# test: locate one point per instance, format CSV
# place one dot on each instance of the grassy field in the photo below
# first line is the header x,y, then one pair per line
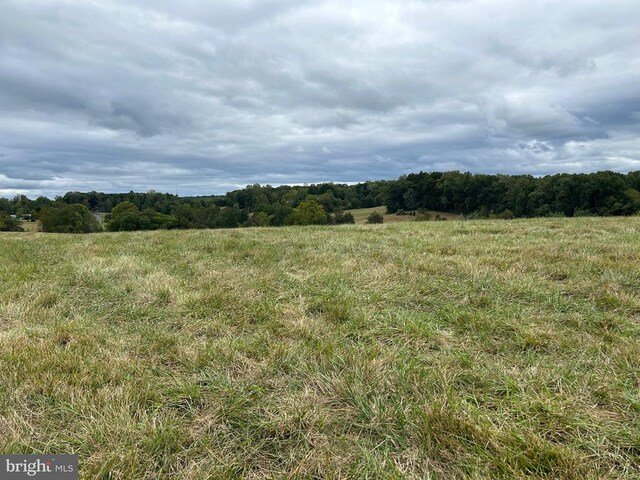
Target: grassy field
x,y
360,215
482,349
30,226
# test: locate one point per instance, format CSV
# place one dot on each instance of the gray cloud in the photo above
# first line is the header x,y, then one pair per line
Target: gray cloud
x,y
202,97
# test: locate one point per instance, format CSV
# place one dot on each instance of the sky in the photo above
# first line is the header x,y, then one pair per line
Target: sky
x,y
200,97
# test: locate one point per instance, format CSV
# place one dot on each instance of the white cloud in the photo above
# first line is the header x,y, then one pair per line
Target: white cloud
x,y
115,95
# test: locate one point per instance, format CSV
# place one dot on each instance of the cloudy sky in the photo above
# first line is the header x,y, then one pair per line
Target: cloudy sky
x,y
205,96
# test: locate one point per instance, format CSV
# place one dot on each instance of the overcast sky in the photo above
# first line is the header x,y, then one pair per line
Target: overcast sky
x,y
205,96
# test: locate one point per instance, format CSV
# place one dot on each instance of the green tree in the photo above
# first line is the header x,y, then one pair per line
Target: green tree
x,y
127,217
633,197
229,217
258,219
308,212
8,224
73,218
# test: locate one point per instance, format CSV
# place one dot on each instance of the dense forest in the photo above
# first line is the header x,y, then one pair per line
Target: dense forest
x,y
472,195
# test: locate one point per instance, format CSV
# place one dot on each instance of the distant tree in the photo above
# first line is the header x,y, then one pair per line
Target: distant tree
x,y
230,217
183,212
375,217
123,208
395,195
204,217
308,212
258,219
157,220
278,213
126,216
328,201
633,197
63,218
6,206
471,195
8,224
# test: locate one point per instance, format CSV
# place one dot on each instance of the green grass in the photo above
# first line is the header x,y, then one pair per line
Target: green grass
x,y
482,349
360,215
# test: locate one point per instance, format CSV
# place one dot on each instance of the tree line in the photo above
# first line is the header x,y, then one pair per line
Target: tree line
x,y
477,195
472,195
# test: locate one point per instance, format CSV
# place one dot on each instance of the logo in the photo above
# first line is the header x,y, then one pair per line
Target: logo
x,y
45,467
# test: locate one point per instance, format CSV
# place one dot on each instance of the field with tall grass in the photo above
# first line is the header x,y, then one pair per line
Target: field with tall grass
x,y
360,215
483,349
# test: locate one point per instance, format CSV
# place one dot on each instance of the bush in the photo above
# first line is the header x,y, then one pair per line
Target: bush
x,y
74,218
375,217
423,217
504,215
343,217
8,224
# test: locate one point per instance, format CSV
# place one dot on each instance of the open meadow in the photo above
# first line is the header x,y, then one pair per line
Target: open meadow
x,y
483,349
360,215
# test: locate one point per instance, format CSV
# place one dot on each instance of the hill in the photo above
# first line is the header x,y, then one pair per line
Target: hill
x,y
360,215
491,349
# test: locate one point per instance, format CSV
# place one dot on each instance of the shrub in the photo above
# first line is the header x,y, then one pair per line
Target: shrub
x,y
375,217
505,215
423,217
343,217
8,224
73,218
